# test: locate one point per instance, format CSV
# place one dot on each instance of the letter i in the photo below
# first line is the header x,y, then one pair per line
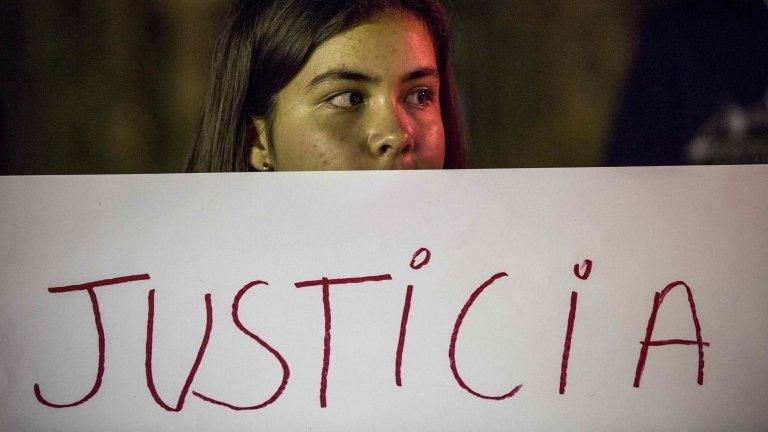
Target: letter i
x,y
420,259
581,272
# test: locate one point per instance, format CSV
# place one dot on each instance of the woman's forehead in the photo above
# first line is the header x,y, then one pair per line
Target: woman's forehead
x,y
387,47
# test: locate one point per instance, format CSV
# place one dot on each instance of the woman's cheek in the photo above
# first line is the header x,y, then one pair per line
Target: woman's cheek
x,y
332,144
305,141
430,141
346,135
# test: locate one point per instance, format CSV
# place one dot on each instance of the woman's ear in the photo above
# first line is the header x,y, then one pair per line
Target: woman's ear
x,y
261,147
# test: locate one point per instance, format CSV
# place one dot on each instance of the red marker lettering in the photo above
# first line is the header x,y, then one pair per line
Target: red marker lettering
x,y
455,335
583,272
326,284
657,300
260,341
401,339
195,365
420,258
567,344
586,266
89,288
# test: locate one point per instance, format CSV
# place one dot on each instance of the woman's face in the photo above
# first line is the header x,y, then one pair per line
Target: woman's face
x,y
367,98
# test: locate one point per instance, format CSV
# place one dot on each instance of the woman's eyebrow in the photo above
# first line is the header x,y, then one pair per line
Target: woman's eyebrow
x,y
420,73
341,74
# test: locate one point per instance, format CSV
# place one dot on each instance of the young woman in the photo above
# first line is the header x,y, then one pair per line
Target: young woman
x,y
331,85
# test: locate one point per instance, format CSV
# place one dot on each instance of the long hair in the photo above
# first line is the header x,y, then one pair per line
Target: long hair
x,y
264,45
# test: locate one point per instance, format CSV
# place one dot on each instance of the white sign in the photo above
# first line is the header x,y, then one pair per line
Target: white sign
x,y
553,299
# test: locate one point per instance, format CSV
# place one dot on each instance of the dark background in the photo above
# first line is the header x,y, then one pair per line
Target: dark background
x,y
95,86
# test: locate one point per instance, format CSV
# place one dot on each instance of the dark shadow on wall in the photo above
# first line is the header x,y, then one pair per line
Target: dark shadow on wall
x,y
541,79
697,91
101,87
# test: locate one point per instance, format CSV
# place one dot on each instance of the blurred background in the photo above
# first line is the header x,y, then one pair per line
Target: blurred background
x,y
115,86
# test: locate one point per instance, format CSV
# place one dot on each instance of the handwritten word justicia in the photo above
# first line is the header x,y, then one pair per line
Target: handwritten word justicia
x,y
419,259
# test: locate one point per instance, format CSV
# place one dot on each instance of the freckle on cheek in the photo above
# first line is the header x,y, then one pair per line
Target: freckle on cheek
x,y
322,157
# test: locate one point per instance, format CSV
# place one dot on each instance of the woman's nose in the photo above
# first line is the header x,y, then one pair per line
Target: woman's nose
x,y
390,138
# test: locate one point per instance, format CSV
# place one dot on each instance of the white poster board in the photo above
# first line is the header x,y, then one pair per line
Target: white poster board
x,y
552,299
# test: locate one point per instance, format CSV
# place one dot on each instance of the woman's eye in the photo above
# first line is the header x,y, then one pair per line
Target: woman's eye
x,y
421,97
346,100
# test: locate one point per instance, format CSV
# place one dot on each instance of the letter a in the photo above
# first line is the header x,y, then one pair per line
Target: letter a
x,y
657,300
